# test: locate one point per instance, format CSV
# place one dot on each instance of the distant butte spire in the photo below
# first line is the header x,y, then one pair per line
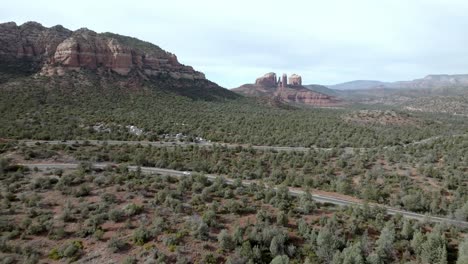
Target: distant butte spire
x,y
295,80
284,82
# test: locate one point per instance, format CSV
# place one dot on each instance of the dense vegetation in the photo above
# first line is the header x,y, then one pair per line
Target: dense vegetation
x,y
430,177
414,161
46,108
129,217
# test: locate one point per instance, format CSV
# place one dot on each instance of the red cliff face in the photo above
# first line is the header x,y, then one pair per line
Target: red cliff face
x,y
56,50
268,79
302,95
267,87
295,80
30,42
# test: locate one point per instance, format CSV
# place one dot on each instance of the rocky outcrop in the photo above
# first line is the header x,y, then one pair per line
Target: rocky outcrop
x,y
30,43
302,95
56,50
295,80
268,79
284,80
268,87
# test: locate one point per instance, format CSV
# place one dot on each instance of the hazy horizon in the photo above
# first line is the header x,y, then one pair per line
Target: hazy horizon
x,y
326,43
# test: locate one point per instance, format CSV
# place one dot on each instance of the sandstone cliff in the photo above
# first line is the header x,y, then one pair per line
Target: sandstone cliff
x,y
267,87
295,80
302,95
57,50
267,80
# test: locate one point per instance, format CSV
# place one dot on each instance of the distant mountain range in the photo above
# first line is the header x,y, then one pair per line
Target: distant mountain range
x,y
440,93
356,85
434,82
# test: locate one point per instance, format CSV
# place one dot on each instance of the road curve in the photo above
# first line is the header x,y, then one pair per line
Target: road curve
x,y
294,192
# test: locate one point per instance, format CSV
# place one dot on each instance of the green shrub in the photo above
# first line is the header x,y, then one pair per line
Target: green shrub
x,y
54,254
109,198
140,236
82,190
133,209
57,233
130,260
71,251
98,234
116,244
116,215
209,259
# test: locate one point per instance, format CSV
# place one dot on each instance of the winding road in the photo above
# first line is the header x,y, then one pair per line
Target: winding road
x,y
211,144
318,197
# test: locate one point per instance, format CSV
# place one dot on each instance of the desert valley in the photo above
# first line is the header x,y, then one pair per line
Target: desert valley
x,y
113,151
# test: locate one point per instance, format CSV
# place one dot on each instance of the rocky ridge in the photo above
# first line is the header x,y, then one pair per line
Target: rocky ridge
x,y
57,50
434,82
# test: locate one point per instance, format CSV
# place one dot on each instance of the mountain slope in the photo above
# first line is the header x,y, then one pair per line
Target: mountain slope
x,y
321,89
354,85
435,83
32,49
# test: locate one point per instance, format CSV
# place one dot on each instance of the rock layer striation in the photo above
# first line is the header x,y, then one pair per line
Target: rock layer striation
x,y
267,86
56,50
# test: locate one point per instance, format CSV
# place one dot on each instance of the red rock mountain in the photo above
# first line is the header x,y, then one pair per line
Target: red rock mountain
x,y
86,59
56,50
268,86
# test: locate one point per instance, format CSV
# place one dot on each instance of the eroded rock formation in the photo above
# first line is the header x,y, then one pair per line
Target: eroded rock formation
x,y
295,80
302,95
268,79
268,86
56,50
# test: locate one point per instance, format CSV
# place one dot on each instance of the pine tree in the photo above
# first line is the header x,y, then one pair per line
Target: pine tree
x,y
280,260
463,252
307,203
327,244
407,230
225,240
353,254
238,235
385,242
417,241
433,250
277,245
282,218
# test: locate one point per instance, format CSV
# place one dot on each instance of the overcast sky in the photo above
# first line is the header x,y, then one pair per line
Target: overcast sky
x,y
326,42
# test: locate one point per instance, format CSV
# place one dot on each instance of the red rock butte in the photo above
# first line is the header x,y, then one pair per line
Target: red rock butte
x,y
56,50
289,90
270,79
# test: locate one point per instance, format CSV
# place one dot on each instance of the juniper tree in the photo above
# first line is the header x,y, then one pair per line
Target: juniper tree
x,y
463,252
225,240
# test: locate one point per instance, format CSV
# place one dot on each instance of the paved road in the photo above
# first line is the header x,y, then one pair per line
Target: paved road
x,y
210,144
163,144
294,192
